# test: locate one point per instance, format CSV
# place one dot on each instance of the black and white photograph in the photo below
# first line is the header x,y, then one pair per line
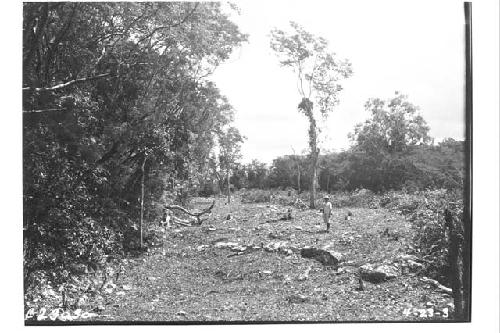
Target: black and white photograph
x,y
249,162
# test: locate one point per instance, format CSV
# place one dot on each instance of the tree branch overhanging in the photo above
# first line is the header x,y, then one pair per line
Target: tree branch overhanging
x,y
66,84
169,26
44,110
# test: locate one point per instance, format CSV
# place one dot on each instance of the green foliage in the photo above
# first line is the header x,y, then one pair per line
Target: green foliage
x,y
257,174
284,172
425,211
394,126
106,88
317,68
255,196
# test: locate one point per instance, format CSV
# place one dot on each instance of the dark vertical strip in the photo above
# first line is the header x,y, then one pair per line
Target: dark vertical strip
x,y
467,218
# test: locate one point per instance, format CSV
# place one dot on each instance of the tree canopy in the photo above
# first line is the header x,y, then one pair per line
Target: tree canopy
x,y
393,126
104,86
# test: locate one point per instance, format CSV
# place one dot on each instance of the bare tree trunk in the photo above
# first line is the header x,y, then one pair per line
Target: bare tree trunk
x,y
142,200
314,178
228,188
298,178
307,107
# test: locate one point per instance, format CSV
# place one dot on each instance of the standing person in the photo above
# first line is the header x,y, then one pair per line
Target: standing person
x,y
327,212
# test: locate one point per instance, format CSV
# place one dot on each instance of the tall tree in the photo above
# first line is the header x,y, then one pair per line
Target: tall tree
x,y
230,141
393,126
319,72
383,155
102,84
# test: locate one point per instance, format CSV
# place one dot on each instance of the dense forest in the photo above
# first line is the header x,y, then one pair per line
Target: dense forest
x,y
121,119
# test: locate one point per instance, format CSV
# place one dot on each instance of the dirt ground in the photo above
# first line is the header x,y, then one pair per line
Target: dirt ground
x,y
197,278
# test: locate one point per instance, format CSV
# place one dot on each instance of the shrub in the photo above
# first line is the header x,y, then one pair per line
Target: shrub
x,y
255,196
425,211
360,198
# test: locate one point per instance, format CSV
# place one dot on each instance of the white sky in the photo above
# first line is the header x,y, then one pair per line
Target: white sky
x,y
415,47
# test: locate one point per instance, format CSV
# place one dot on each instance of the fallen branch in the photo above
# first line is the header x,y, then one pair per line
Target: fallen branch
x,y
198,215
437,285
177,220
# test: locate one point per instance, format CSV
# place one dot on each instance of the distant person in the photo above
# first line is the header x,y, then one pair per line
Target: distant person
x,y
327,212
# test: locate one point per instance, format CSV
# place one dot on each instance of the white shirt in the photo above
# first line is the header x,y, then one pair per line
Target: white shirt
x,y
327,209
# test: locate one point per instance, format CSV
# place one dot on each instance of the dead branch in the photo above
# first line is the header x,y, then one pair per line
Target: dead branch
x,y
198,215
437,285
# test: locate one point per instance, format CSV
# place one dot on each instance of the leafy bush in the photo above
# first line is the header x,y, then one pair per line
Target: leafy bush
x,y
425,211
360,198
255,196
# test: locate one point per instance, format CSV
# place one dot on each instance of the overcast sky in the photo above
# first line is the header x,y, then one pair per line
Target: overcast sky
x,y
413,47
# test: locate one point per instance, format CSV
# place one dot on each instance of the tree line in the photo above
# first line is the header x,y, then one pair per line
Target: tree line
x,y
392,150
118,112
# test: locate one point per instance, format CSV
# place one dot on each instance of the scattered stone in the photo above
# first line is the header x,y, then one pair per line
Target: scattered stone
x,y
86,315
273,235
414,266
238,248
297,299
406,257
223,245
324,255
201,248
377,274
304,276
276,246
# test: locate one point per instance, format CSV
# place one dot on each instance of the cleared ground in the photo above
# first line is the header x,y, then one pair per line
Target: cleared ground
x,y
197,281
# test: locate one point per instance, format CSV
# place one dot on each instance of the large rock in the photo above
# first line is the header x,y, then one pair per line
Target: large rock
x,y
377,274
409,263
324,255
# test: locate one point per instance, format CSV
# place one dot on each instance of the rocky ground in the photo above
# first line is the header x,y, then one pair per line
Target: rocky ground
x,y
255,266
